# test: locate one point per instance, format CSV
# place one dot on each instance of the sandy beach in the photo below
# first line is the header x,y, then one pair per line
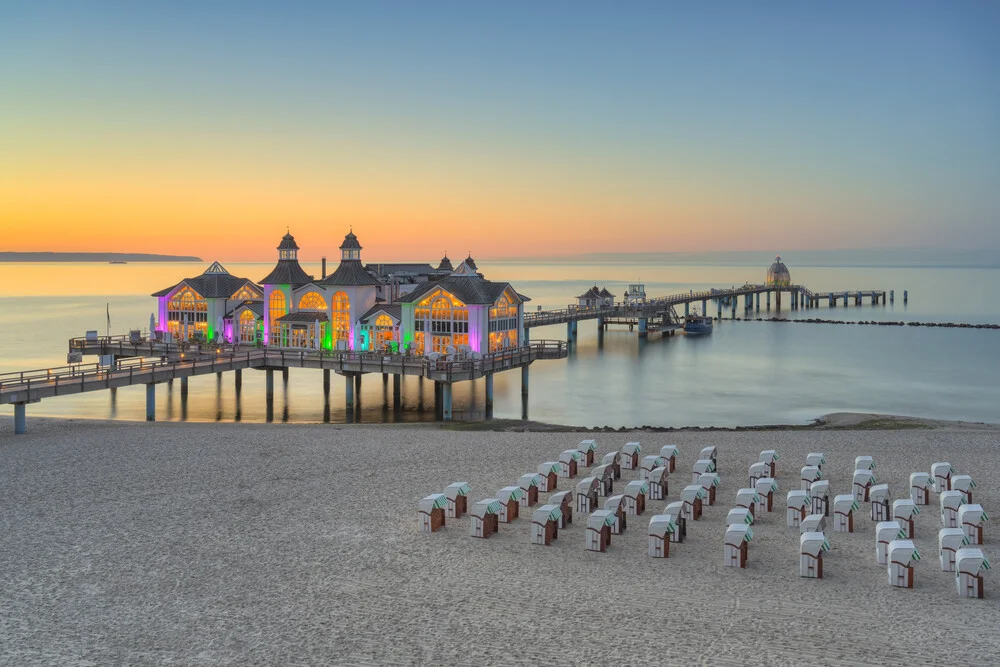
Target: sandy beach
x,y
229,544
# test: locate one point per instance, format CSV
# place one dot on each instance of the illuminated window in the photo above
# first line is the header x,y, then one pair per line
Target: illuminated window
x,y
248,326
277,310
445,318
503,323
341,320
187,313
246,293
384,330
312,301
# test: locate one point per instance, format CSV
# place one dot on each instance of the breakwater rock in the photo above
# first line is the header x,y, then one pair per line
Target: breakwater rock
x,y
882,323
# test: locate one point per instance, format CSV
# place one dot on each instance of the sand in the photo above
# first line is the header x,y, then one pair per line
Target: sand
x,y
225,544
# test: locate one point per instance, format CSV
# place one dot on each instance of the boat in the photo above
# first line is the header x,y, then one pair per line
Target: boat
x,y
118,261
696,324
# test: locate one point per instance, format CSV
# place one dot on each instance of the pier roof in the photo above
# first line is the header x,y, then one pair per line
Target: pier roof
x,y
350,272
256,307
305,316
389,269
212,284
287,272
393,310
468,289
445,264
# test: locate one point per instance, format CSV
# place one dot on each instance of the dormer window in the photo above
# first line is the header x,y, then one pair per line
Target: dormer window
x,y
288,254
350,253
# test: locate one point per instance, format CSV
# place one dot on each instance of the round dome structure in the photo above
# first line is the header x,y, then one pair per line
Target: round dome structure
x,y
777,274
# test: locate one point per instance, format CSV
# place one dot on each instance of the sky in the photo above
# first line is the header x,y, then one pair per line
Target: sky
x,y
505,129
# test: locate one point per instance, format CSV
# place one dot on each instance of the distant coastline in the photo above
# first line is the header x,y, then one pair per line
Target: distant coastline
x,y
93,257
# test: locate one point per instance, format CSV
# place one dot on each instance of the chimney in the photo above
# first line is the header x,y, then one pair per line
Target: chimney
x,y
324,269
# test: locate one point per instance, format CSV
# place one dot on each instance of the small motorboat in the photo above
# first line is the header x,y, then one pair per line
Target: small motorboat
x,y
696,324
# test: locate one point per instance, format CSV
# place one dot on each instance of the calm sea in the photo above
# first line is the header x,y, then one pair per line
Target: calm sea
x,y
745,373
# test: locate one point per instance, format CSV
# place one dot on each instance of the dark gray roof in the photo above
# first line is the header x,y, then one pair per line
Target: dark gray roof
x,y
350,272
389,269
592,293
350,242
287,272
605,292
394,310
471,262
256,307
468,289
288,243
212,285
305,316
445,264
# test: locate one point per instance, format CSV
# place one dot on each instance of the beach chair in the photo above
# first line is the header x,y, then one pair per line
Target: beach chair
x,y
844,507
878,495
711,453
921,485
564,501
819,491
864,478
614,459
748,499
812,546
693,495
545,524
658,483
740,515
569,461
813,523
950,540
647,465
942,472
950,502
588,451
616,505
700,467
737,543
864,463
550,473
970,564
670,454
766,488
809,475
817,459
485,517
529,483
903,511
661,529
768,457
796,507
587,490
430,513
971,519
709,481
635,493
510,502
678,511
964,484
598,534
758,471
630,455
902,554
457,494
885,532
605,475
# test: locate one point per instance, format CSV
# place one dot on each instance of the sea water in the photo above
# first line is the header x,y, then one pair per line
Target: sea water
x,y
746,372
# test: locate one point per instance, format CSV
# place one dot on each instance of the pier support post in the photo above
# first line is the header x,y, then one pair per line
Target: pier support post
x,y
643,324
238,380
396,392
269,395
326,395
385,379
719,314
704,307
687,308
769,302
284,376
906,296
349,392
526,338
777,300
757,300
357,389
238,384
489,395
600,323
446,401
524,392
569,332
735,299
20,419
151,402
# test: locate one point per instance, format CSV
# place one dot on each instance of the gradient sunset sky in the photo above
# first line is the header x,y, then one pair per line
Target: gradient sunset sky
x,y
504,128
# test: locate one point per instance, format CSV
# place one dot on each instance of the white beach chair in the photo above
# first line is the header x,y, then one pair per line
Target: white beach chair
x,y
614,459
709,481
564,501
903,511
819,491
758,471
587,490
964,484
942,472
970,564
813,523
457,494
545,524
766,488
812,546
635,493
588,450
598,533
569,462
809,474
630,455
678,511
550,474
670,454
902,554
864,463
430,513
950,540
950,502
605,475
796,507
700,467
615,505
878,495
661,529
748,499
693,496
921,485
529,483
485,517
864,478
885,532
737,541
647,465
510,503
768,457
712,453
844,507
816,459
658,487
971,519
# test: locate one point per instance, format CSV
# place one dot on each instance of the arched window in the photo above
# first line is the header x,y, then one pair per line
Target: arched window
x,y
248,326
246,293
445,318
341,319
312,301
187,312
503,323
384,329
277,310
